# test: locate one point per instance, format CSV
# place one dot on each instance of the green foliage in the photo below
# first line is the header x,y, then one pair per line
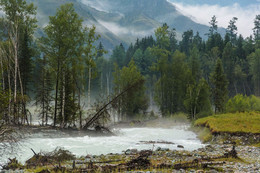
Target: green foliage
x,y
171,87
178,75
219,90
232,30
241,103
228,59
213,26
257,27
197,102
162,37
18,24
4,101
135,100
118,55
186,43
43,90
254,62
64,45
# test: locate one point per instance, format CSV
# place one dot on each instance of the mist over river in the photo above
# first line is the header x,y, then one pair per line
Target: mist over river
x,y
127,138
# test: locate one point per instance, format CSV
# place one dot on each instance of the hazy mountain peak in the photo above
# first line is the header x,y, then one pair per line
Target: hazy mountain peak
x,y
123,20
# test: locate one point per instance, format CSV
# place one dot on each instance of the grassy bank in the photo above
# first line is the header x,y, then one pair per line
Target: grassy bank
x,y
233,123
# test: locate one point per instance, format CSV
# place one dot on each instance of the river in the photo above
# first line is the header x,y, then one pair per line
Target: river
x,y
128,138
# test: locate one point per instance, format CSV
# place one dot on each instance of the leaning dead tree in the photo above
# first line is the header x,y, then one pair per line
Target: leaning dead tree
x,y
9,139
103,110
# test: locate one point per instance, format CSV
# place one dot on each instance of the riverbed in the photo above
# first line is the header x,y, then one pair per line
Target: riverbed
x,y
127,138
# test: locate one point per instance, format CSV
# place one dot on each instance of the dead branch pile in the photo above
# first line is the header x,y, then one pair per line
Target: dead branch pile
x,y
141,162
42,159
13,165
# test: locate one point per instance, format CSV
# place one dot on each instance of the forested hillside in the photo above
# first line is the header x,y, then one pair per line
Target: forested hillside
x,y
65,74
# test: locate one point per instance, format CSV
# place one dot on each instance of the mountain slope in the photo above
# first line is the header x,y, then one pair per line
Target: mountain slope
x,y
122,20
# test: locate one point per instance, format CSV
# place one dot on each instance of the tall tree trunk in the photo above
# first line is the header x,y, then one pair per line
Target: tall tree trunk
x,y
80,111
56,94
15,44
2,70
9,90
63,102
3,81
23,100
108,83
89,82
101,82
43,94
235,86
46,115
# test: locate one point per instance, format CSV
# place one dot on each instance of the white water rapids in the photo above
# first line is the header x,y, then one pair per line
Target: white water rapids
x,y
128,138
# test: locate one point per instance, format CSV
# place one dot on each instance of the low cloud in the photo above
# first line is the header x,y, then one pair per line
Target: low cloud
x,y
114,28
203,13
120,31
100,6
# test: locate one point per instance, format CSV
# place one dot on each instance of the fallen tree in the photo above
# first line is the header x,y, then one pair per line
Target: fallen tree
x,y
103,110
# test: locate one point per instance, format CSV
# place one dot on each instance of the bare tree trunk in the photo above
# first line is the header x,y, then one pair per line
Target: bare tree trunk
x,y
9,90
108,83
2,69
3,79
23,100
43,112
235,88
89,82
43,101
101,82
63,102
15,86
56,94
15,44
46,115
80,111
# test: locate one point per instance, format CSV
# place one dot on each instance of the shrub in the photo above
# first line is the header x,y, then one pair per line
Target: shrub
x,y
241,103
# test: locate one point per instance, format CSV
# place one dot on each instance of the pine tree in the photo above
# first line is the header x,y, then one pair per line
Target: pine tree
x,y
229,61
43,90
254,61
257,28
186,43
63,41
213,26
232,30
21,23
219,87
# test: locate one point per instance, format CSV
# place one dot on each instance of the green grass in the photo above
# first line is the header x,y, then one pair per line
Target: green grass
x,y
248,122
256,145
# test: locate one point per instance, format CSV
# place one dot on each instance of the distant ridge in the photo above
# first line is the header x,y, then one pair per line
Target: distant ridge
x,y
122,21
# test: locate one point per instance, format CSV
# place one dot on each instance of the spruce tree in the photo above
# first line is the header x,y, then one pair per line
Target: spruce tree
x,y
219,87
257,28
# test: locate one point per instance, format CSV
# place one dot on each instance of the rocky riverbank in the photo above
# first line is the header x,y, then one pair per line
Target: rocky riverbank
x,y
225,152
212,158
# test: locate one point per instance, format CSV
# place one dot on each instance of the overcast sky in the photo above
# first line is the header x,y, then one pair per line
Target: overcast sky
x,y
201,11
